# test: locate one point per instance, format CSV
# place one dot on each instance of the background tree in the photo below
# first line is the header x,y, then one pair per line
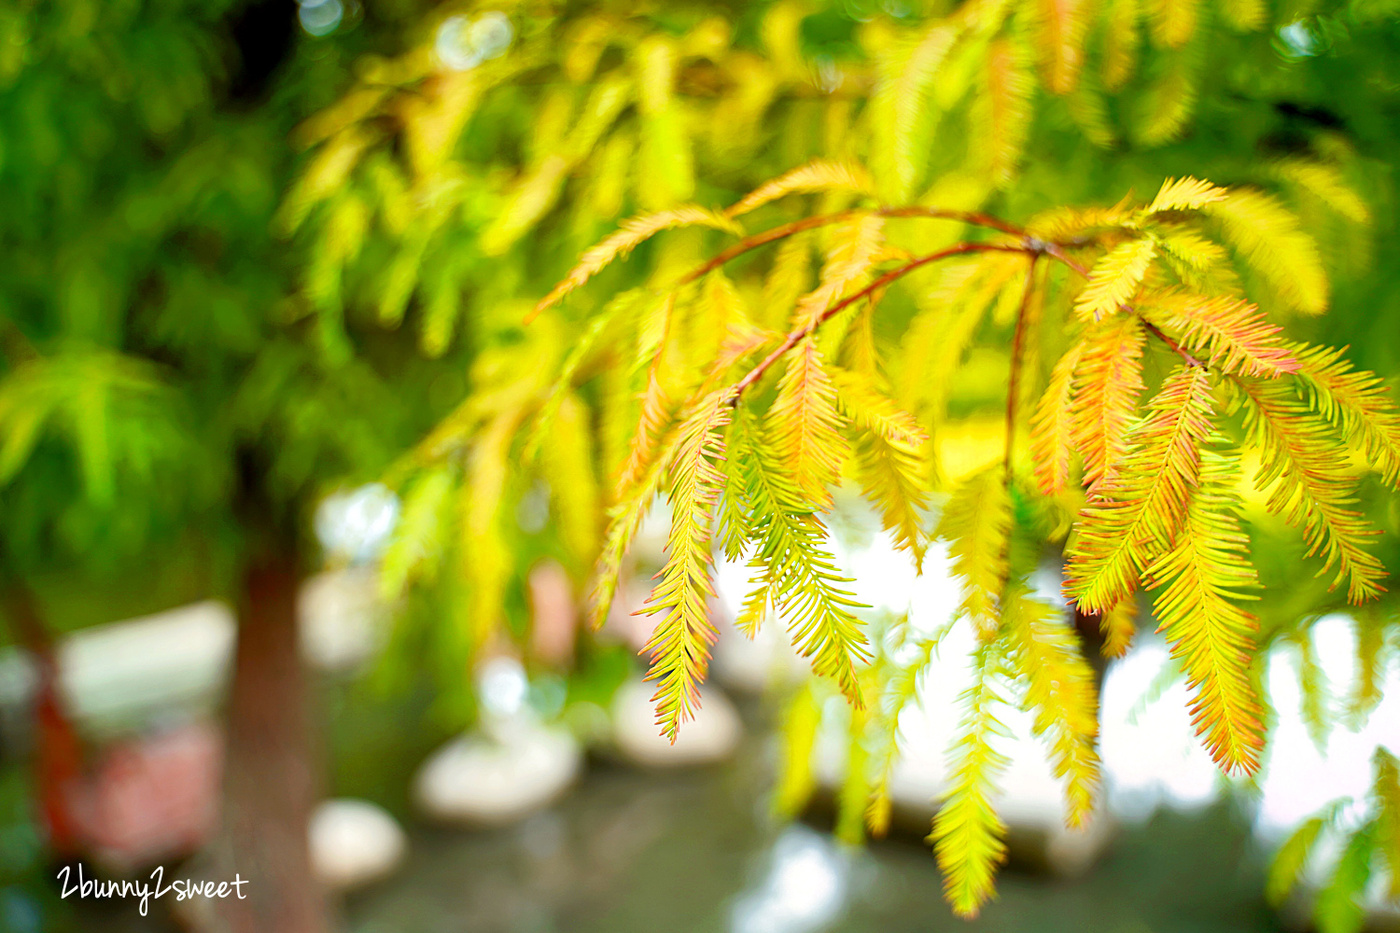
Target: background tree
x,y
168,414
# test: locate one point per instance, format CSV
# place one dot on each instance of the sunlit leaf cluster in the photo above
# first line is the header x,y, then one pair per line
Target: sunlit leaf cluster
x,y
1170,382
740,367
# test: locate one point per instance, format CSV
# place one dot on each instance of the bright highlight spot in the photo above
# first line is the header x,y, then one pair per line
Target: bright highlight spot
x,y
320,17
1298,41
503,686
464,42
803,891
1151,755
356,525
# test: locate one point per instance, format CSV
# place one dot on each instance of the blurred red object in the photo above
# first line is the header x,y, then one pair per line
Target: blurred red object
x,y
554,613
150,798
131,804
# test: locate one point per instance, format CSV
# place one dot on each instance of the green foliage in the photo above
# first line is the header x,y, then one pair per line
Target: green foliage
x,y
78,396
154,369
1370,844
797,574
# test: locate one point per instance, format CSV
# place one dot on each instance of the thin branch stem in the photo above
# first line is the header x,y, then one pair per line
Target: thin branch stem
x,y
821,220
763,239
1181,351
1018,341
14,345
796,336
1056,251
975,218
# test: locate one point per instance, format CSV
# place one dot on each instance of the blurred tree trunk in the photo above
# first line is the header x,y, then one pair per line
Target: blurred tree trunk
x,y
1091,641
270,774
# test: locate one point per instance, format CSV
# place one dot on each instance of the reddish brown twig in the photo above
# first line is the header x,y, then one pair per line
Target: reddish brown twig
x,y
796,336
1181,351
821,220
1056,251
1018,341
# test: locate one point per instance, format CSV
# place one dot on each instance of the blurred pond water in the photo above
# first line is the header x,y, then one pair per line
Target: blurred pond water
x,y
629,851
635,852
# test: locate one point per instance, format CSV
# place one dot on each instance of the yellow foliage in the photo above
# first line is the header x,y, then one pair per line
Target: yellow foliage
x,y
1141,511
857,245
632,234
1060,27
746,393
1171,99
817,175
1119,625
1107,383
1059,691
968,835
1212,638
1115,279
1173,21
625,517
804,424
1304,467
658,410
1229,332
680,643
567,464
891,459
417,541
1052,426
1003,109
1245,15
976,523
1325,182
1355,400
1269,239
485,565
902,98
1121,40
798,735
636,114
1185,194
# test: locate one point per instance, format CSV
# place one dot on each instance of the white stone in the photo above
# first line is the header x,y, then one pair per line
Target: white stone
x,y
712,736
117,676
114,676
354,842
496,779
341,618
